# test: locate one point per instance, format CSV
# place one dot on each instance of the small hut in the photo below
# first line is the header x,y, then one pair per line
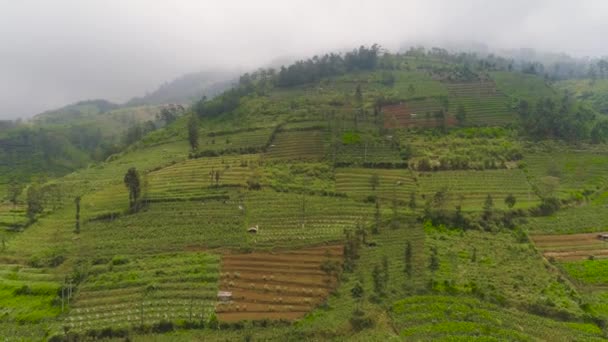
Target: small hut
x,y
224,296
603,236
253,230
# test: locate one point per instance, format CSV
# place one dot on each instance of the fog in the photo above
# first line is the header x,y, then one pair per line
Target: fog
x,y
56,52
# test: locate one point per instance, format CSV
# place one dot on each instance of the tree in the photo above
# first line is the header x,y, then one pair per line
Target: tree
x,y
412,202
358,93
193,131
377,218
374,181
133,183
510,201
357,292
77,202
385,273
378,280
170,113
14,190
461,114
434,260
34,201
488,207
408,259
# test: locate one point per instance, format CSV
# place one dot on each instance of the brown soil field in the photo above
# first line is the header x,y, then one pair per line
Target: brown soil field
x,y
570,247
403,116
281,285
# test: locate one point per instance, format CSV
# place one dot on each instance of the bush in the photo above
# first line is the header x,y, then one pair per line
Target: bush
x,y
163,327
359,320
119,260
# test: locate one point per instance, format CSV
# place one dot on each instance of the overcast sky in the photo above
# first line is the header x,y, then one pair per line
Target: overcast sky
x,y
54,52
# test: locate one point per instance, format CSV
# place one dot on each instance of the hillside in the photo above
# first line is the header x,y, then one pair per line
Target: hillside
x,y
363,196
187,88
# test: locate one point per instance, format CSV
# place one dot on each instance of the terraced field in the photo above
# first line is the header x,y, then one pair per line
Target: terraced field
x,y
124,292
482,264
279,285
192,178
169,226
30,302
362,153
298,145
392,184
568,173
483,103
415,113
459,318
470,188
244,140
571,246
297,220
11,216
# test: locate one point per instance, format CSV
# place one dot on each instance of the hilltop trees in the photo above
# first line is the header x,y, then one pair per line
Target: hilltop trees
x,y
563,119
313,69
133,183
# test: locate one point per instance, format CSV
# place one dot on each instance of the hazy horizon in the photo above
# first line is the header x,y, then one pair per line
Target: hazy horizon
x,y
60,52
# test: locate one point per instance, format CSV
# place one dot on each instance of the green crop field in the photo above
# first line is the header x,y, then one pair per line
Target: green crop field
x,y
567,174
461,318
469,189
123,291
359,183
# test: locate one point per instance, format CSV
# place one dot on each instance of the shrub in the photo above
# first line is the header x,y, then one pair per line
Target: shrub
x,y
360,320
119,260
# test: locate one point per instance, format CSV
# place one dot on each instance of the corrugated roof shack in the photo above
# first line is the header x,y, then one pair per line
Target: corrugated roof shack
x,y
224,296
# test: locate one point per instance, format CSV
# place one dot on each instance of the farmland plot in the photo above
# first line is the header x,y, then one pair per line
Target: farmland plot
x,y
571,246
129,291
477,262
483,103
392,184
279,285
249,139
169,226
192,178
298,145
415,113
470,188
432,318
297,220
566,174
